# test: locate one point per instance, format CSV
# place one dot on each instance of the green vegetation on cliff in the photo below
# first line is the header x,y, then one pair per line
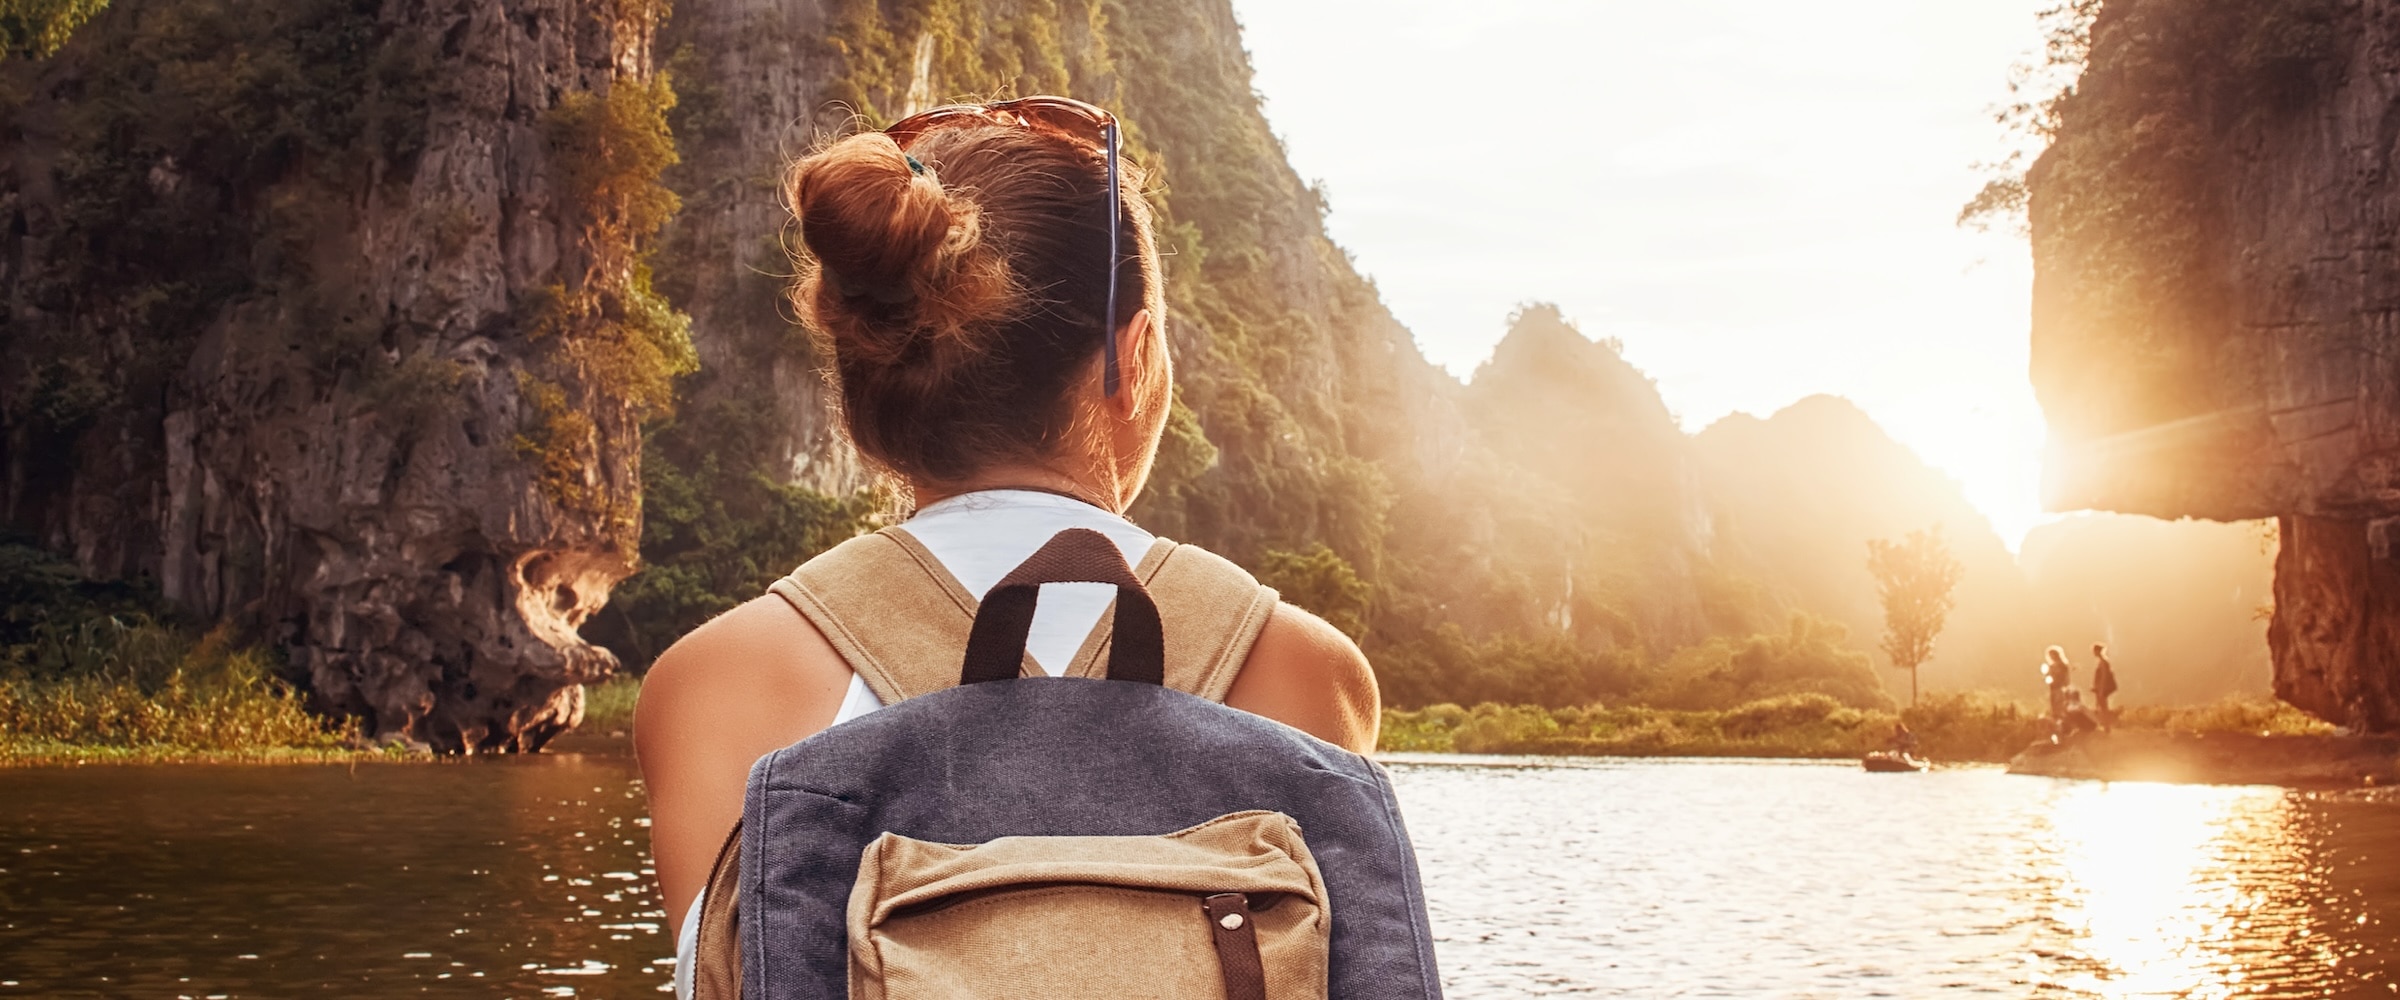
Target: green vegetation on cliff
x,y
188,112
39,27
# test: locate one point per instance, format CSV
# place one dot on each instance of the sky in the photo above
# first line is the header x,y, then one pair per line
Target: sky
x,y
1757,197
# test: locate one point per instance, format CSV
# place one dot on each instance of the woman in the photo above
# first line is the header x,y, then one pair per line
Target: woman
x,y
957,270
2058,676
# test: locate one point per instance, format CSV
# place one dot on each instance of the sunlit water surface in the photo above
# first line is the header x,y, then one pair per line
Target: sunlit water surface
x,y
528,877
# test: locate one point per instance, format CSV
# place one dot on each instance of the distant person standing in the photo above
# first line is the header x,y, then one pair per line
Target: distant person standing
x,y
2058,676
2104,682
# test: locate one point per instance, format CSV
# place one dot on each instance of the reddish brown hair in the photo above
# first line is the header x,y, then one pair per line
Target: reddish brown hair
x,y
959,304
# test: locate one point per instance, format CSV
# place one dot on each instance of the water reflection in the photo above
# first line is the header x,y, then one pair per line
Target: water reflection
x,y
1703,878
492,878
527,878
2171,891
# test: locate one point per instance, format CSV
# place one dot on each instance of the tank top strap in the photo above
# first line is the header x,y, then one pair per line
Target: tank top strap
x,y
900,619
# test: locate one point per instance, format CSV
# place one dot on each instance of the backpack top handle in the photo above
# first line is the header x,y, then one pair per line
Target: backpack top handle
x,y
1137,648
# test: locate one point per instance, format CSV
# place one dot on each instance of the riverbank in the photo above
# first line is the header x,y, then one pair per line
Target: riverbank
x,y
253,719
212,713
1971,727
2322,761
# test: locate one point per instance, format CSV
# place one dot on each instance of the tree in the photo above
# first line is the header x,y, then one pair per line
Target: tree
x,y
1917,579
39,27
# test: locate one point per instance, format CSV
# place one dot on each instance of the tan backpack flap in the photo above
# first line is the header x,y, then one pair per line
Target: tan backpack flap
x,y
1211,610
716,955
1234,907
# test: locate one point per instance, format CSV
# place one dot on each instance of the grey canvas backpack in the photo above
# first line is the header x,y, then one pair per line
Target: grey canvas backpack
x,y
995,835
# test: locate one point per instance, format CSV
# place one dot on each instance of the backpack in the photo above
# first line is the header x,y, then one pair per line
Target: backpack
x,y
994,832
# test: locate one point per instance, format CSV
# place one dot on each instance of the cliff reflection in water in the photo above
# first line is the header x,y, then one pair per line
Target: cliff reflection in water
x,y
528,877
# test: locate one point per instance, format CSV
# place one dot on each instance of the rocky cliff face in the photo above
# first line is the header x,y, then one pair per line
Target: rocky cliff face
x,y
2217,305
754,79
327,316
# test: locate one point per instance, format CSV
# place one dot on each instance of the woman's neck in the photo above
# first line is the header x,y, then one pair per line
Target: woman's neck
x,y
1027,477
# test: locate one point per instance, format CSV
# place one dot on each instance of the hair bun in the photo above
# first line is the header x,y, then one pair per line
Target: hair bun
x,y
898,257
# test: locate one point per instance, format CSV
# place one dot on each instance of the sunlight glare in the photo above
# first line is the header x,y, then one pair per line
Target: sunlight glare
x,y
2145,888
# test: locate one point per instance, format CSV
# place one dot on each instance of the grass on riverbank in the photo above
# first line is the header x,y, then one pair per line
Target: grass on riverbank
x,y
1952,727
152,692
96,671
1974,726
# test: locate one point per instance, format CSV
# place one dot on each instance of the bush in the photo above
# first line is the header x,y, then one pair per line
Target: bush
x,y
1974,725
1810,657
1806,725
717,528
136,684
2231,714
91,665
608,706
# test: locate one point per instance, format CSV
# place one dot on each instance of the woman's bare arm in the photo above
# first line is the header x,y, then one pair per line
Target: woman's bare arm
x,y
1306,674
754,680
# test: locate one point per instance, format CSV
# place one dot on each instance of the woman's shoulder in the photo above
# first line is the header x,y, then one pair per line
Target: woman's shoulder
x,y
760,668
1306,674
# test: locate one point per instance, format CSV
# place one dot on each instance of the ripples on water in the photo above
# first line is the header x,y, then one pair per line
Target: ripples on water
x,y
523,877
528,878
1667,878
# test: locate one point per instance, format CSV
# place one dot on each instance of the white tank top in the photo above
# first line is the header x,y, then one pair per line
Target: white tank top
x,y
979,537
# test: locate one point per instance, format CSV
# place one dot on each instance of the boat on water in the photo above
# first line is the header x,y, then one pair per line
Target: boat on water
x,y
1893,762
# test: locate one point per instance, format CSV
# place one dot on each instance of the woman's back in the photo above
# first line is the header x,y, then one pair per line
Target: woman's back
x,y
762,677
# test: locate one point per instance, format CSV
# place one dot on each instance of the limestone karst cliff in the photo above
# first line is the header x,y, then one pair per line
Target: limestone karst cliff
x,y
330,318
2216,232
363,324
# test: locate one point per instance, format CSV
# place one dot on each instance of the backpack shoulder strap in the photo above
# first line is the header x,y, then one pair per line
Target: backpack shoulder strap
x,y
901,620
1211,611
892,611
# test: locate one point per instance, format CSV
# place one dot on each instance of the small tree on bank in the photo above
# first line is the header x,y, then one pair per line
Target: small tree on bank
x,y
1917,578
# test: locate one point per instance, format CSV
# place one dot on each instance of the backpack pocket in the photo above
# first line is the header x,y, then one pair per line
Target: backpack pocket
x,y
1234,908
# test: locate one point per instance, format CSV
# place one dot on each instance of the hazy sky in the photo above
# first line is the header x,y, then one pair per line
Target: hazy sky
x,y
1756,196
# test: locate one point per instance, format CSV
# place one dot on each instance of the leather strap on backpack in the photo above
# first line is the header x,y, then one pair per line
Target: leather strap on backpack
x,y
1138,647
1229,925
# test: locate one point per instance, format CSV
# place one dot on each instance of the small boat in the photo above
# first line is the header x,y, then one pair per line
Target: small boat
x,y
1892,762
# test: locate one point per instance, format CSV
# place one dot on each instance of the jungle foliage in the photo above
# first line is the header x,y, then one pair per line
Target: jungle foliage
x,y
186,115
39,27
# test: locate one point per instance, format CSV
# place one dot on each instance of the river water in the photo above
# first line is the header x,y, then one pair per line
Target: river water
x,y
526,877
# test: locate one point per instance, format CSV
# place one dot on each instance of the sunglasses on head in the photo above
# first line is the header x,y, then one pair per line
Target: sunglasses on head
x,y
1064,115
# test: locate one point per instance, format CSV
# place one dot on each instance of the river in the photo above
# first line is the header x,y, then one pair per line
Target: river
x,y
526,877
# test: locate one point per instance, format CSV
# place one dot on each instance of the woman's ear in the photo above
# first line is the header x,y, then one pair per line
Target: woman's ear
x,y
1141,358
